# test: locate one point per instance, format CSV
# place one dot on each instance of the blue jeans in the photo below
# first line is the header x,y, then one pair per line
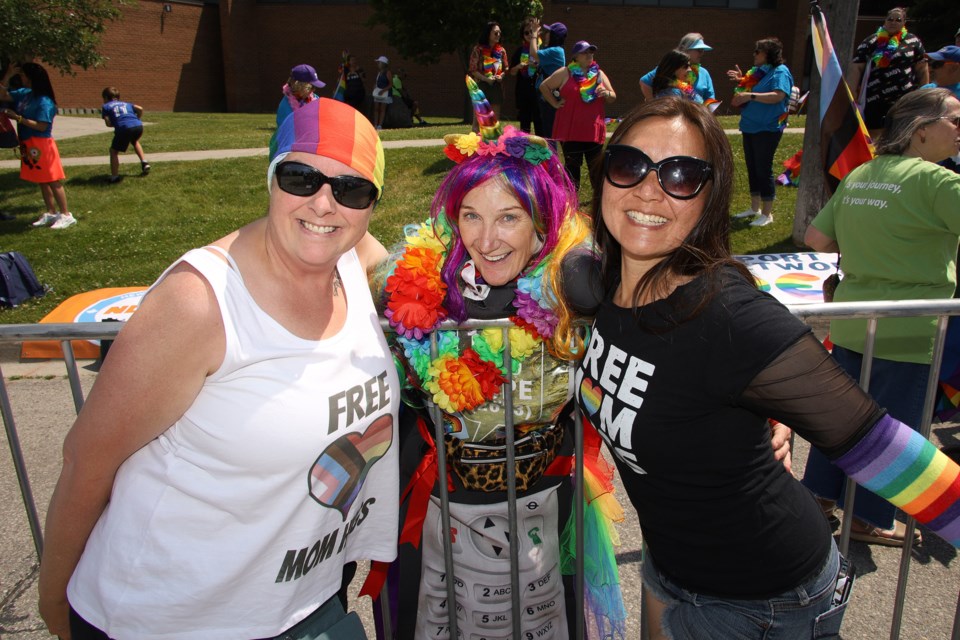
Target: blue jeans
x,y
804,612
758,150
899,387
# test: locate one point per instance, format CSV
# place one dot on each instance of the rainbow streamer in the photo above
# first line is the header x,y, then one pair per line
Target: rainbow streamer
x,y
341,90
490,128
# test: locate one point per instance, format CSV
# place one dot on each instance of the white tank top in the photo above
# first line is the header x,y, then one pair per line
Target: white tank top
x,y
236,521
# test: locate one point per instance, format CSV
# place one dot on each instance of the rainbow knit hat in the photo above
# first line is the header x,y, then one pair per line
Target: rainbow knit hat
x,y
347,136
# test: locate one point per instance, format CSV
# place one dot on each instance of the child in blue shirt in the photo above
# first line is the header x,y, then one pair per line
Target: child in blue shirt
x,y
124,117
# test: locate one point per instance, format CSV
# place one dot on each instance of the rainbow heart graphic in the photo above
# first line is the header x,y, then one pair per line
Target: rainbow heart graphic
x,y
591,395
801,285
336,477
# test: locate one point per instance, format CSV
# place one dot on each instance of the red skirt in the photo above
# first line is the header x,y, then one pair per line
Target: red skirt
x,y
40,161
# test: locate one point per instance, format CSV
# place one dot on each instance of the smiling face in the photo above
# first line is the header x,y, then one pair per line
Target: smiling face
x,y
497,232
646,222
315,230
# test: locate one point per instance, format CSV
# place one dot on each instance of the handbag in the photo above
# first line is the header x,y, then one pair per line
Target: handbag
x,y
482,466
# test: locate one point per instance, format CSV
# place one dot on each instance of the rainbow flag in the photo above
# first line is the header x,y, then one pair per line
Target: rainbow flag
x,y
344,67
844,141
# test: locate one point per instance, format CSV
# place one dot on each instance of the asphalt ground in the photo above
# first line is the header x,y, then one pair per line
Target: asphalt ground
x,y
43,409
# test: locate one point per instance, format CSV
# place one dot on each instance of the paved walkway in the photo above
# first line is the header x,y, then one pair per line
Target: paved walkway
x,y
74,127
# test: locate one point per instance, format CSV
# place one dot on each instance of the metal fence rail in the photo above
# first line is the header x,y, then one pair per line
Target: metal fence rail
x,y
871,311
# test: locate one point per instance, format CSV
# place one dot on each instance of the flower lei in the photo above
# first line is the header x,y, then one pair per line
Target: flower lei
x,y
587,81
694,74
491,60
751,78
886,46
686,89
513,143
415,294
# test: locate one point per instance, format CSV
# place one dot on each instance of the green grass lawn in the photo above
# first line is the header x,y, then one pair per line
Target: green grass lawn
x,y
128,233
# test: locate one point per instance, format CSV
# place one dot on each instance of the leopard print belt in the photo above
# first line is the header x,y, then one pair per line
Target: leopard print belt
x,y
482,466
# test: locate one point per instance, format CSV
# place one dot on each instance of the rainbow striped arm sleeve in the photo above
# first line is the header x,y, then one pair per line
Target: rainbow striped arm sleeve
x,y
899,464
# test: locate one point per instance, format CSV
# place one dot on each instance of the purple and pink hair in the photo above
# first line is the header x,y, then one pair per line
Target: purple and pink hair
x,y
544,191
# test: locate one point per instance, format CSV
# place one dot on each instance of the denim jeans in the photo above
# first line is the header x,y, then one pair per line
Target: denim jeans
x,y
899,387
758,150
805,612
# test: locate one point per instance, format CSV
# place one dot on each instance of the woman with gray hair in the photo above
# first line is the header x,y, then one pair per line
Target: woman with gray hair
x,y
693,45
896,221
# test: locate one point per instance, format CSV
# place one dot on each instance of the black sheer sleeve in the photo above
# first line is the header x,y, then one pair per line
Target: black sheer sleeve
x,y
805,389
580,271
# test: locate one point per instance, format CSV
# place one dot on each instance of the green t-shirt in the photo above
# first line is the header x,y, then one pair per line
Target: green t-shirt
x,y
897,221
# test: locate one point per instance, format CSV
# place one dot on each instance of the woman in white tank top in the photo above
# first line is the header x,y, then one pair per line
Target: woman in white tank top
x,y
237,454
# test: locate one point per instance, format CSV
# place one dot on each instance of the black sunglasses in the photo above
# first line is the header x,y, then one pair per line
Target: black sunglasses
x,y
300,179
680,177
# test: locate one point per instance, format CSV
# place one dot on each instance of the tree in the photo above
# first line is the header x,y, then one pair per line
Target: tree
x,y
437,27
61,33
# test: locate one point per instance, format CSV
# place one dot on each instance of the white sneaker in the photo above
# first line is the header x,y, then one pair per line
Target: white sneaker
x,y
45,219
64,220
762,221
749,213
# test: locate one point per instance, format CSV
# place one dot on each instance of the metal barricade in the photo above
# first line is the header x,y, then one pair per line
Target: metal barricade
x,y
870,311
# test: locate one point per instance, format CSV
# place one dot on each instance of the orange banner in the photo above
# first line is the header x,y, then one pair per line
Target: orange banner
x,y
117,303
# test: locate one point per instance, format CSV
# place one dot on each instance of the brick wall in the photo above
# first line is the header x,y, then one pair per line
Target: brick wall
x,y
180,63
164,61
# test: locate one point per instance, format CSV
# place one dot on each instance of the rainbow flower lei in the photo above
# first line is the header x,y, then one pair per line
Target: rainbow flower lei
x,y
751,78
686,89
415,293
886,46
587,81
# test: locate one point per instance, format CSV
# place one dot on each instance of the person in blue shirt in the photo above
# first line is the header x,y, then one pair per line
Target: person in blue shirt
x,y
35,106
125,119
693,45
548,58
672,77
763,94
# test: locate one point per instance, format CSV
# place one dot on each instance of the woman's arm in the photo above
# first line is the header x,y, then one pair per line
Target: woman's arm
x,y
606,89
768,97
156,368
806,389
37,125
819,241
475,68
553,83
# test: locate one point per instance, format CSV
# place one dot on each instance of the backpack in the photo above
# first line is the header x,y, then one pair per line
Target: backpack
x,y
18,282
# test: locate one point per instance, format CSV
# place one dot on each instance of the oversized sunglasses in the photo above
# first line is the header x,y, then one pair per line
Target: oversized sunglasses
x,y
680,177
302,180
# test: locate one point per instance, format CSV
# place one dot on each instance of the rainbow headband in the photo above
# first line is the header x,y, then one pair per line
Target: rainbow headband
x,y
347,137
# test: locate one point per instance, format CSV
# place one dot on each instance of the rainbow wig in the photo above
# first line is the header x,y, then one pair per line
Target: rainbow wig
x,y
545,192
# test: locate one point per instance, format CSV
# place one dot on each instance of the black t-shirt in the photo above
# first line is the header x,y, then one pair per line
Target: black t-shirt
x,y
718,512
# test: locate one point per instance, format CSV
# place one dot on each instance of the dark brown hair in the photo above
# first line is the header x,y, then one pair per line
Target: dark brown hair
x,y
773,48
706,249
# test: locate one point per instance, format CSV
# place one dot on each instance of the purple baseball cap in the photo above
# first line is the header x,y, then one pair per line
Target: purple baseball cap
x,y
306,73
583,47
557,28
